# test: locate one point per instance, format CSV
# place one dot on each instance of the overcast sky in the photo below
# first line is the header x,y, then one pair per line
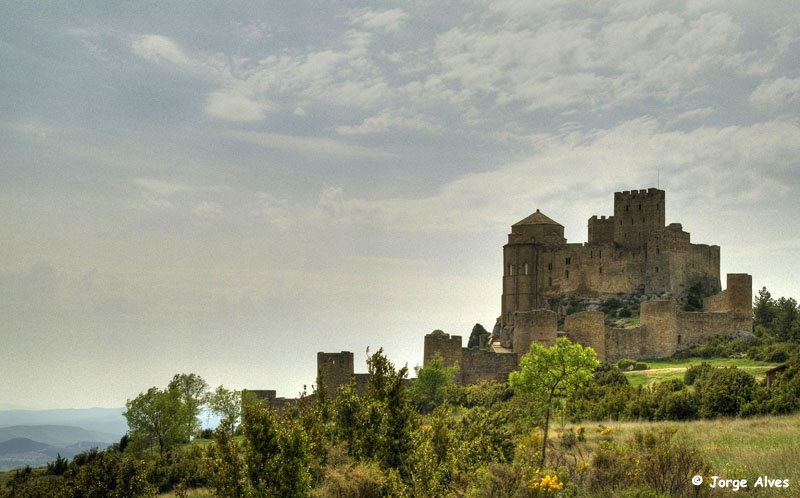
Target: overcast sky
x,y
228,188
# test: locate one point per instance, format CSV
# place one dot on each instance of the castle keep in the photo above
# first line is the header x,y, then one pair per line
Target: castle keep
x,y
668,288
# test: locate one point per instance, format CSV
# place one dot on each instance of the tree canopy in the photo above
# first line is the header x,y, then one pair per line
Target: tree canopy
x,y
548,373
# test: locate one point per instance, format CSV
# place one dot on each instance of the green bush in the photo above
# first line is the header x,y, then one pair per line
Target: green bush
x,y
724,391
695,372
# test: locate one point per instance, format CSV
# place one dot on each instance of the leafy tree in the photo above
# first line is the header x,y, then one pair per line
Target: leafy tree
x,y
277,453
161,417
548,374
386,390
435,382
227,404
763,309
193,391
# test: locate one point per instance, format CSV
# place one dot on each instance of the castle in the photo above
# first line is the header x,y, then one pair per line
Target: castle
x,y
552,288
631,256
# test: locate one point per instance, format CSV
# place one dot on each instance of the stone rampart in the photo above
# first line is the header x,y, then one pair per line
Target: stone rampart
x,y
587,328
534,326
335,370
480,364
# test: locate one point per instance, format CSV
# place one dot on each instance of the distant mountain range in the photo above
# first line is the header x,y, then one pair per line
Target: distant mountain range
x,y
36,437
36,445
108,420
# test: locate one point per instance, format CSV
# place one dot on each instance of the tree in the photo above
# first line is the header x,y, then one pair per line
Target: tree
x,y
277,453
435,382
724,391
161,417
227,404
193,391
547,374
763,309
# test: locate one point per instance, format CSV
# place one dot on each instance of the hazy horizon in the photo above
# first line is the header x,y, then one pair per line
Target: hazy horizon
x,y
229,190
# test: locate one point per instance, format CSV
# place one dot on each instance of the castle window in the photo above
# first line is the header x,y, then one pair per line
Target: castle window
x,y
656,269
679,339
568,261
526,268
640,207
658,251
510,269
631,221
600,254
550,266
642,219
601,269
591,254
626,208
550,281
566,274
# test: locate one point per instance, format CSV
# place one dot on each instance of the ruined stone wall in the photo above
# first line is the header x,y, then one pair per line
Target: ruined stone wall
x,y
362,383
480,364
449,347
624,343
740,297
736,298
268,397
538,325
336,370
587,328
695,327
659,321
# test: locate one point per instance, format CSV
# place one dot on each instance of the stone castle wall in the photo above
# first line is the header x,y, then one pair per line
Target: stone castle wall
x,y
588,329
447,346
480,364
624,343
335,370
534,326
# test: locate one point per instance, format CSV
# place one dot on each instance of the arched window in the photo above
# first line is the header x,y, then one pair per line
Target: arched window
x,y
526,268
510,269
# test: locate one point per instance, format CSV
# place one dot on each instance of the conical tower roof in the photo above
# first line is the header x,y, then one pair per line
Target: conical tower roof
x,y
537,218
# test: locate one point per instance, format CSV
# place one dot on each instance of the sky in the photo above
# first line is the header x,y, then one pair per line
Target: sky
x,y
228,188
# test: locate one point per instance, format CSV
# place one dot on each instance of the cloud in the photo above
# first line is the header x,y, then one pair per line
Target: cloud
x,y
755,159
235,105
157,48
318,147
393,119
386,20
777,93
208,209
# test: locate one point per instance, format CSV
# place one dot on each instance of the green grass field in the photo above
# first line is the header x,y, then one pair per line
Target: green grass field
x,y
674,369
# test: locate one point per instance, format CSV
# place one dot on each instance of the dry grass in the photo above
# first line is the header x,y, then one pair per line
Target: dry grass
x,y
736,448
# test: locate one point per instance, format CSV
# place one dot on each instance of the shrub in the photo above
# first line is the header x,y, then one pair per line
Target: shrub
x,y
361,480
723,391
695,372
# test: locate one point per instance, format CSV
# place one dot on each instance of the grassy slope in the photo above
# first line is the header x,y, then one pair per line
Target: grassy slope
x,y
674,369
738,448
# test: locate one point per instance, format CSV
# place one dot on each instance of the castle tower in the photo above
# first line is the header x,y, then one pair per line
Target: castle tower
x,y
637,215
336,370
522,275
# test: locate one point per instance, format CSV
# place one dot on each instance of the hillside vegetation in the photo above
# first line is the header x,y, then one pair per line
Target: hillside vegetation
x,y
563,425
